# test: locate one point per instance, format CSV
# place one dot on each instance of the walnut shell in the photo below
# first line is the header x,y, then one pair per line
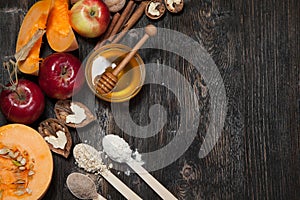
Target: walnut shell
x,y
174,6
155,9
62,109
115,5
49,127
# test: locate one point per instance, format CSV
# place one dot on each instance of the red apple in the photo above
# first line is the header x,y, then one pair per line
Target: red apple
x,y
89,18
61,75
23,104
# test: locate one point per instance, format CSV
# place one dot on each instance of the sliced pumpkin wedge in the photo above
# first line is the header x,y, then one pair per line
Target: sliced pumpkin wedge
x,y
59,33
38,161
36,18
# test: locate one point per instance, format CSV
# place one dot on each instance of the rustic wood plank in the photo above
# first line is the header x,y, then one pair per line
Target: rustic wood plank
x,y
267,98
255,45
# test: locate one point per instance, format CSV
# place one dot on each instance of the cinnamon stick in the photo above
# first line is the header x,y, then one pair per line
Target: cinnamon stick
x,y
113,23
122,18
109,30
129,15
132,20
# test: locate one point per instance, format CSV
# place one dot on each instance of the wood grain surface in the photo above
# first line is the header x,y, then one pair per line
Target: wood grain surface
x,y
255,45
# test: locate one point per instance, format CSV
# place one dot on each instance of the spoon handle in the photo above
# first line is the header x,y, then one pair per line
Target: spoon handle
x,y
150,30
151,181
100,197
119,185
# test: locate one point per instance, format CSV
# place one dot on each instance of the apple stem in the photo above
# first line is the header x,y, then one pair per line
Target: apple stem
x,y
64,70
19,96
92,13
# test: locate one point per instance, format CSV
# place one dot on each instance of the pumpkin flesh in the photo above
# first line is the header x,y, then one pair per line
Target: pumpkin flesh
x,y
24,138
36,18
59,32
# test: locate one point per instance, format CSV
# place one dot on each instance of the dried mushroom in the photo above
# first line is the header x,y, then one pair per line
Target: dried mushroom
x,y
155,9
57,136
73,114
174,6
115,5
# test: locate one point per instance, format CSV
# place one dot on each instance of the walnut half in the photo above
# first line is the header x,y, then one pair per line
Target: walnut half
x,y
115,5
155,9
73,114
174,6
57,136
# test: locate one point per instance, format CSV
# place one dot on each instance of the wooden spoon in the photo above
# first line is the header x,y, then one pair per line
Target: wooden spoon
x,y
91,154
118,150
105,82
151,181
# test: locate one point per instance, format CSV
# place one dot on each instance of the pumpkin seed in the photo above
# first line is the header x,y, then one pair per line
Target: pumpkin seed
x,y
16,163
23,161
20,181
28,190
19,158
10,153
30,173
4,151
19,192
16,154
22,168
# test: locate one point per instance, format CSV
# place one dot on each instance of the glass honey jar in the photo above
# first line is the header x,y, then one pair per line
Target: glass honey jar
x,y
130,79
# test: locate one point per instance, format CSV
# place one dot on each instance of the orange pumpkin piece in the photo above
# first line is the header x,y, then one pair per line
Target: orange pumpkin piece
x,y
36,18
31,146
59,32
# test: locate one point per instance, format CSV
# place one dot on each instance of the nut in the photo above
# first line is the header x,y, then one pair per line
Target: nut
x,y
155,9
115,5
174,6
50,127
62,109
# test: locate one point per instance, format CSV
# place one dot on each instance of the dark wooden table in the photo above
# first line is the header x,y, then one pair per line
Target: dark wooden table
x,y
256,47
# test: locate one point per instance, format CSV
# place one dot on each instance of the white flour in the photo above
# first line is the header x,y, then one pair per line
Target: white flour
x,y
118,150
88,158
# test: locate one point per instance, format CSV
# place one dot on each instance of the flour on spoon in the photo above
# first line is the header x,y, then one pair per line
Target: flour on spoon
x,y
119,150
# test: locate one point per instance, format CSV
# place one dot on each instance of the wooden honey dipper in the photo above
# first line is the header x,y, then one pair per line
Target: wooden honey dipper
x,y
105,82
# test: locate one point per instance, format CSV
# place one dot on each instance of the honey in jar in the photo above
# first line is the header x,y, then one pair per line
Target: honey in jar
x,y
130,79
